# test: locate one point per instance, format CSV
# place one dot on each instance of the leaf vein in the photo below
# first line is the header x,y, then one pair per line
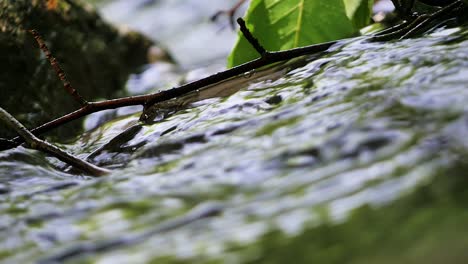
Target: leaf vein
x,y
273,4
285,16
299,22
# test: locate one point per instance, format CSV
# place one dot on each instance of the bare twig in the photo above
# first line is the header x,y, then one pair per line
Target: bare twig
x,y
266,58
230,13
56,66
150,99
250,38
36,143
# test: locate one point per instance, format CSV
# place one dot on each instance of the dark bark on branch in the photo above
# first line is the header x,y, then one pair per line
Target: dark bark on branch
x,y
151,99
56,66
266,58
230,13
35,143
250,38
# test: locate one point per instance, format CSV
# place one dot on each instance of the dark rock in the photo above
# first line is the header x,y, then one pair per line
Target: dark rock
x,y
95,56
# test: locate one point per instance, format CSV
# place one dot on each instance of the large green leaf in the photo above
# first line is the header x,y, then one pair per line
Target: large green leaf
x,y
358,11
286,24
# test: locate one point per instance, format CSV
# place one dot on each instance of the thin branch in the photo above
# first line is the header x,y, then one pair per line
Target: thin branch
x,y
230,13
151,99
250,38
36,143
56,66
148,100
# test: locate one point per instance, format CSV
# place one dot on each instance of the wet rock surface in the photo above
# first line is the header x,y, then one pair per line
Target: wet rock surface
x,y
95,56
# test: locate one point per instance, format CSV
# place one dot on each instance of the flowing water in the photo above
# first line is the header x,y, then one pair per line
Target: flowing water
x,y
356,155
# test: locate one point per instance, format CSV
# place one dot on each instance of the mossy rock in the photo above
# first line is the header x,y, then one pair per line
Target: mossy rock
x,y
95,56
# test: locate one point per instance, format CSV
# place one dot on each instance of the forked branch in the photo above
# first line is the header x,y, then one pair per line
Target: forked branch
x,y
250,38
36,143
266,58
230,13
151,99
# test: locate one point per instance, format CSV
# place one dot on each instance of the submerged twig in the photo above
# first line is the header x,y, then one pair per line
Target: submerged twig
x,y
36,143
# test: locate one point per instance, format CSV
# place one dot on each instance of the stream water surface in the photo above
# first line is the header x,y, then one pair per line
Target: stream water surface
x,y
355,155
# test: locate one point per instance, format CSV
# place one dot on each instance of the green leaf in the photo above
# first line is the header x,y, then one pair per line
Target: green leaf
x,y
358,11
286,24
